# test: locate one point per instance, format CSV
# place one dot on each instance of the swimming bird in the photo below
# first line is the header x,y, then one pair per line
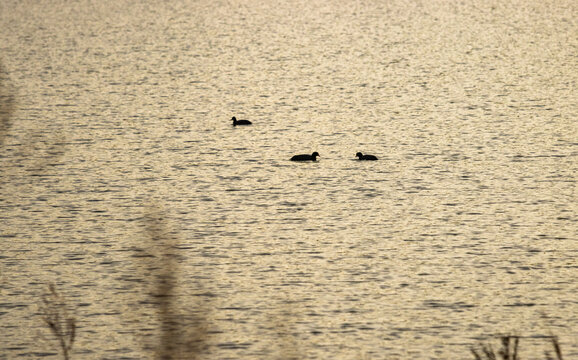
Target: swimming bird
x,y
240,122
305,157
365,157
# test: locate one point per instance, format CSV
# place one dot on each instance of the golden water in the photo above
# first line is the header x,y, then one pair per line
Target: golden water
x,y
119,167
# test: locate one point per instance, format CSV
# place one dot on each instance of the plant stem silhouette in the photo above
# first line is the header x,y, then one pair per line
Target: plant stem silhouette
x,y
56,316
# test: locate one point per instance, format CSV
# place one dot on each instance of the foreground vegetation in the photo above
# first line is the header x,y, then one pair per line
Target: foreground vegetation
x,y
56,315
180,339
509,349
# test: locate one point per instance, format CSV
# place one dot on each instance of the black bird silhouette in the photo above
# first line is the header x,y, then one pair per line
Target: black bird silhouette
x,y
240,122
365,157
305,157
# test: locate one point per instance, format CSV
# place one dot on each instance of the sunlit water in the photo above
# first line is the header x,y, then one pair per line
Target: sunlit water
x,y
119,165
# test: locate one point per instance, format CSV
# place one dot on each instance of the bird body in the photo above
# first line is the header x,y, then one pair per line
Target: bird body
x,y
305,157
240,122
365,157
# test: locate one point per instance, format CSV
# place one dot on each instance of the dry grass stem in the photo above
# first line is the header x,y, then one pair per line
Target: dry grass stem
x,y
509,349
56,315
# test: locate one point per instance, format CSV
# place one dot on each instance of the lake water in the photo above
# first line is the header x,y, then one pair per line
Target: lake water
x,y
125,185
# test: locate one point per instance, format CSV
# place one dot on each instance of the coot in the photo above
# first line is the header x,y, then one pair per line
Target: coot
x,y
240,122
365,157
305,157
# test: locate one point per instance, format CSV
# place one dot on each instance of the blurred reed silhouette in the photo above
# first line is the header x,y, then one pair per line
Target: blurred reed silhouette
x,y
56,314
509,349
42,148
183,333
283,324
7,104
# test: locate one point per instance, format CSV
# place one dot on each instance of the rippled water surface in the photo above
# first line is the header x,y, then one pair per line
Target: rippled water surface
x,y
125,185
